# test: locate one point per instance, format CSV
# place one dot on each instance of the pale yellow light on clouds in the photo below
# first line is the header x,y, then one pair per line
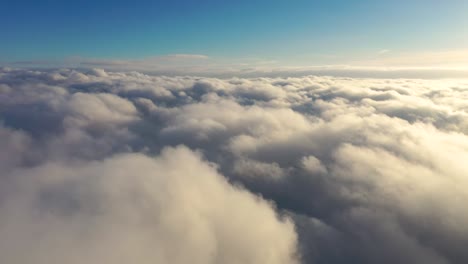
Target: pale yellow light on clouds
x,y
430,59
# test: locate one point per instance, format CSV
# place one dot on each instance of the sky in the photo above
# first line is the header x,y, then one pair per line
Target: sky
x,y
207,132
281,33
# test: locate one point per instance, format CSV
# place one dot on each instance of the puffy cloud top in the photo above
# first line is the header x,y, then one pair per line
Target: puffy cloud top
x,y
133,208
272,170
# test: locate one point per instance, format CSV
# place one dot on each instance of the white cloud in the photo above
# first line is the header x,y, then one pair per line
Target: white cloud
x,y
100,108
313,165
384,63
132,208
384,51
369,170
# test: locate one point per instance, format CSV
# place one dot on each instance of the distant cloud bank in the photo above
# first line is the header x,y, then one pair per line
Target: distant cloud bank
x,y
381,64
102,166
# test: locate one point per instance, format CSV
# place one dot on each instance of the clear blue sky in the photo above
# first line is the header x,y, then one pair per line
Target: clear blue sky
x,y
296,29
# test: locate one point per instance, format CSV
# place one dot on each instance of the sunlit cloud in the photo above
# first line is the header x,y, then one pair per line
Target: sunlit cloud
x,y
105,166
432,59
385,64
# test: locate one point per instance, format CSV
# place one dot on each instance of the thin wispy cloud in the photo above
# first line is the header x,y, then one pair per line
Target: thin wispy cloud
x,y
383,51
429,59
425,65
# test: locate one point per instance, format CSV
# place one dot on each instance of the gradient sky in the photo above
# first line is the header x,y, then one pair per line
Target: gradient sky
x,y
295,32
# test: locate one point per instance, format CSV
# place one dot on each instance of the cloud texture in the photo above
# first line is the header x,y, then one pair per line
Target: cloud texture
x,y
105,167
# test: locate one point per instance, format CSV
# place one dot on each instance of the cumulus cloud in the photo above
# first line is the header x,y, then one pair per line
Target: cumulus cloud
x,y
133,208
272,170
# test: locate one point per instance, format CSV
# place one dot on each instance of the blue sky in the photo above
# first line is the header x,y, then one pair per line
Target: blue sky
x,y
291,32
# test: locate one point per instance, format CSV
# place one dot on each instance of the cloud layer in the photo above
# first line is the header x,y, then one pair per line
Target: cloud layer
x,y
102,166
